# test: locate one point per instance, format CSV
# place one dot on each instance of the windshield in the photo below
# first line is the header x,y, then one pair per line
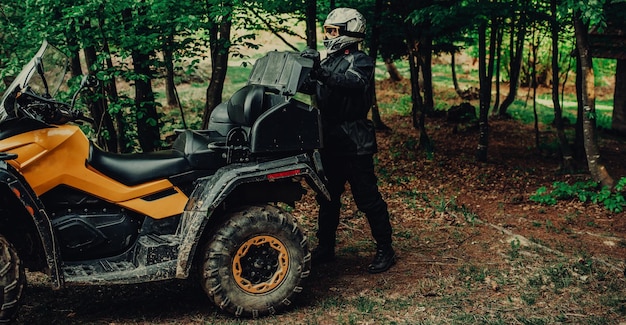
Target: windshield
x,y
52,62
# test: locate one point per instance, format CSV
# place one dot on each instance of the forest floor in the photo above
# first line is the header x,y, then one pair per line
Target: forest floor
x,y
472,247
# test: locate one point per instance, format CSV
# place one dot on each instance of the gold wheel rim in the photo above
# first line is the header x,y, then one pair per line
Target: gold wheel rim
x,y
260,264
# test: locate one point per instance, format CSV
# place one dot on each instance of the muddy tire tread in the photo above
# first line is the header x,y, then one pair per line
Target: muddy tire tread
x,y
12,281
217,279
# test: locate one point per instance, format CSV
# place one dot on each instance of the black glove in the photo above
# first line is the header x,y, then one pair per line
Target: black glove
x,y
320,74
312,54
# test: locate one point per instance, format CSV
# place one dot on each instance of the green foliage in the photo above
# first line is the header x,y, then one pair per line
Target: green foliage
x,y
514,251
585,192
184,27
365,304
523,111
603,68
591,12
403,106
472,273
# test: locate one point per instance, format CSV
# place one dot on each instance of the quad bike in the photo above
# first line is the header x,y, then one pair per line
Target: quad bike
x,y
212,205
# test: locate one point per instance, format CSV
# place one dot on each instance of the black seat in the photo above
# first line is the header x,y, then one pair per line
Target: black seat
x,y
196,147
246,105
134,169
191,141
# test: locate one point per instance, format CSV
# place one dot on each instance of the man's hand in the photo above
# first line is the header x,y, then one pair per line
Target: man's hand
x,y
320,74
317,72
312,54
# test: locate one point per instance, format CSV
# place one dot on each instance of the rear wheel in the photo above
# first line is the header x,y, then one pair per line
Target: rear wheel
x,y
256,261
12,280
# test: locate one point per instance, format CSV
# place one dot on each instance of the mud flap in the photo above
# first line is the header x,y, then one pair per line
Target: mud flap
x,y
211,191
34,208
317,162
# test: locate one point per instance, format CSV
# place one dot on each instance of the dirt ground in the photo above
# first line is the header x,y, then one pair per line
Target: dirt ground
x,y
453,215
472,247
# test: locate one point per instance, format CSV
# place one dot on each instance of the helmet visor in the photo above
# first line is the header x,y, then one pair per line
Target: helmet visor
x,y
331,31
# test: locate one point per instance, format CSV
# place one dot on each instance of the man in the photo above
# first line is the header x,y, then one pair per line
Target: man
x,y
343,84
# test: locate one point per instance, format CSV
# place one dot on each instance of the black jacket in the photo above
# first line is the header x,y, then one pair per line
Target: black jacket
x,y
343,94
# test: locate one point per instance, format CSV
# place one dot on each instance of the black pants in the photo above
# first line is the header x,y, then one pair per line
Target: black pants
x,y
359,172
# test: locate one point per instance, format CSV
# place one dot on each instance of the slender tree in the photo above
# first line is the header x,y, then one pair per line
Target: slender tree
x,y
146,115
455,80
418,113
498,61
220,23
597,169
566,151
425,56
618,123
579,143
485,94
533,84
311,23
374,45
99,104
616,26
517,35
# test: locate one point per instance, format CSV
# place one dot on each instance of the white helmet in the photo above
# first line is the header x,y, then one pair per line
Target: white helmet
x,y
343,26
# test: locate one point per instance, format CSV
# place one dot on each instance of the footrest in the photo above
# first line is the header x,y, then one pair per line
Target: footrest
x,y
154,259
154,249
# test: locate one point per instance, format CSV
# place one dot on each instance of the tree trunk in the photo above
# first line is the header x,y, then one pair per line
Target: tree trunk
x,y
374,44
598,171
121,138
516,50
416,97
579,143
392,70
147,119
99,107
311,23
496,103
533,77
171,95
425,52
491,57
417,112
455,80
566,151
532,64
72,43
485,95
219,39
618,124
168,60
146,114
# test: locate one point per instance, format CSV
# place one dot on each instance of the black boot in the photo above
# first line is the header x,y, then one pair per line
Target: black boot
x,y
384,259
322,254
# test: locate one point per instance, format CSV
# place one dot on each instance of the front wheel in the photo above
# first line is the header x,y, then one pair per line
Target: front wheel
x,y
255,262
12,280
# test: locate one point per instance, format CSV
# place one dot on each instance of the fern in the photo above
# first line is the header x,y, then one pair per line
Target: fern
x,y
588,191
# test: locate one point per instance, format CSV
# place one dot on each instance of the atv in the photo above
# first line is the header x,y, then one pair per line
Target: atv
x,y
212,207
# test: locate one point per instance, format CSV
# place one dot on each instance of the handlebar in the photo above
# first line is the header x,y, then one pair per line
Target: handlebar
x,y
81,117
48,109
